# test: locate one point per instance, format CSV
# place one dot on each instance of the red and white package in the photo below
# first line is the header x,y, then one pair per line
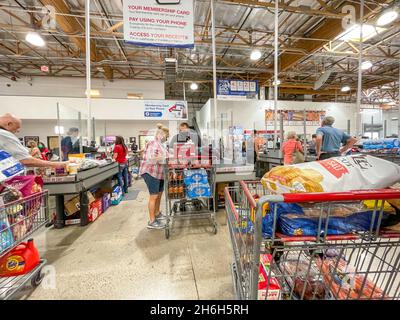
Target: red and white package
x,y
355,172
264,282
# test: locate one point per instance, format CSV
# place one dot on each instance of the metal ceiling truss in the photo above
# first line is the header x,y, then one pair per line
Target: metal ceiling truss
x,y
308,46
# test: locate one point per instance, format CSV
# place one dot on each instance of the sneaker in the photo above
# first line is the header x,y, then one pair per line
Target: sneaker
x,y
155,225
161,216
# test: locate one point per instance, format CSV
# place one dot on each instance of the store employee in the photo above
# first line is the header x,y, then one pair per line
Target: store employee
x,y
9,126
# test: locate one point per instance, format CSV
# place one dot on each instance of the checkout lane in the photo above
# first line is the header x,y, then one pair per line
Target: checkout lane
x,y
80,183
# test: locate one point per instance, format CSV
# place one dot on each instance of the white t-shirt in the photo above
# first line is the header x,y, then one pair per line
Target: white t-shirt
x,y
11,144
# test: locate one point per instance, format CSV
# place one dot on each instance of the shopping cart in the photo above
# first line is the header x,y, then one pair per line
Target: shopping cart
x,y
19,220
269,264
178,204
136,166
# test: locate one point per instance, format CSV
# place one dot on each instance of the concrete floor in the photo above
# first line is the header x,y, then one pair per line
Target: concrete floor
x,y
117,257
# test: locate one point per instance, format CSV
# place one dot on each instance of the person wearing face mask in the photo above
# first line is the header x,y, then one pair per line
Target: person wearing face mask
x,y
9,142
152,171
70,143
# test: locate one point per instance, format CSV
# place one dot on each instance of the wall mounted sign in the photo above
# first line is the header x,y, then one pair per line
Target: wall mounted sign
x,y
237,89
165,110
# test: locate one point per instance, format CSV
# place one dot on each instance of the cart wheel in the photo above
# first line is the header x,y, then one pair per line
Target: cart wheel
x,y
215,228
167,233
37,279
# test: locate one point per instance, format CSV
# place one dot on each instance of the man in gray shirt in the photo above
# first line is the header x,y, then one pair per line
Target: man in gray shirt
x,y
9,126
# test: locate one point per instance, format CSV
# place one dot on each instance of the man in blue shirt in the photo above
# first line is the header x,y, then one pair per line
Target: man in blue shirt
x,y
330,140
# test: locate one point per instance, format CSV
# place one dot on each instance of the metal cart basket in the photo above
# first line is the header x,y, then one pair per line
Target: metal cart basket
x,y
19,221
270,264
178,203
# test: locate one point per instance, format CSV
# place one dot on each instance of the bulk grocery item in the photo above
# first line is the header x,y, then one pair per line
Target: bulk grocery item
x,y
6,236
195,176
27,185
116,195
345,282
95,210
196,183
316,220
355,172
189,185
267,280
73,168
303,277
9,167
72,206
21,260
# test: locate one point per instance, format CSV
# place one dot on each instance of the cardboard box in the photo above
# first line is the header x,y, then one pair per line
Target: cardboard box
x,y
274,288
95,210
106,201
73,206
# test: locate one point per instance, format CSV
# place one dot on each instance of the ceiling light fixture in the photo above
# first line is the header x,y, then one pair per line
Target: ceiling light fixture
x,y
387,16
255,55
194,86
93,93
353,33
345,89
170,60
35,39
366,65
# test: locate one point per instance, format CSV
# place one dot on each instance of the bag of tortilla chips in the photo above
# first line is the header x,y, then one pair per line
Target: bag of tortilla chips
x,y
355,172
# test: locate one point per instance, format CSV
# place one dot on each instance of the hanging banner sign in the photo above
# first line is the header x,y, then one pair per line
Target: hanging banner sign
x,y
163,23
165,110
237,89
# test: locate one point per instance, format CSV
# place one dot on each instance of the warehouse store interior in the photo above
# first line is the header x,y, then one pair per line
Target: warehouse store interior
x,y
199,149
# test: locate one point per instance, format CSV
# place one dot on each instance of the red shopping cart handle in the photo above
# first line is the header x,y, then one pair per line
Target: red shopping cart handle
x,y
341,237
375,194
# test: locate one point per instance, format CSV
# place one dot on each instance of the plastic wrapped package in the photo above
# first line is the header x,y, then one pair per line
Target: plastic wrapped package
x,y
345,282
198,190
9,167
19,227
303,277
335,209
27,185
6,236
293,221
116,195
195,176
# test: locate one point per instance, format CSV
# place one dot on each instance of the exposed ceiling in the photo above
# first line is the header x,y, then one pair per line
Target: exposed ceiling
x,y
309,45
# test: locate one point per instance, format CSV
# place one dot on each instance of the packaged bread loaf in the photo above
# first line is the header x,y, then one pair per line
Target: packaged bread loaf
x,y
355,172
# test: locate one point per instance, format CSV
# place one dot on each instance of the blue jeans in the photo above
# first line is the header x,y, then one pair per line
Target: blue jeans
x,y
123,181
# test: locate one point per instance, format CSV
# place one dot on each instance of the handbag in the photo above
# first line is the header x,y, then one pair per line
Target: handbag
x,y
297,156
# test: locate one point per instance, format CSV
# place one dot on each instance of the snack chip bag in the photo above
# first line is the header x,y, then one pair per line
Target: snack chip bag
x,y
355,172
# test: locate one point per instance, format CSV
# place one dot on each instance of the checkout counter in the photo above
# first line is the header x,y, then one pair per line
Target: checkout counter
x,y
234,173
272,158
78,184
